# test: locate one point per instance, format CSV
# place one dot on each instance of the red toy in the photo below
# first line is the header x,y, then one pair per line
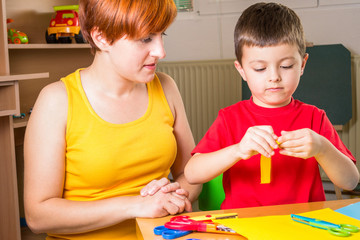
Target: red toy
x,y
64,25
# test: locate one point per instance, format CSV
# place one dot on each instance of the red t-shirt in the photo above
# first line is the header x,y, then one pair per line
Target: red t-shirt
x,y
293,180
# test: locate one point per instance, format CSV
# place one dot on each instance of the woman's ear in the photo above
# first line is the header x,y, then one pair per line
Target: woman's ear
x,y
303,64
240,70
99,39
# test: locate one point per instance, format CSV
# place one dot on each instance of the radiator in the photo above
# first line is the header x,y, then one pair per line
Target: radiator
x,y
206,87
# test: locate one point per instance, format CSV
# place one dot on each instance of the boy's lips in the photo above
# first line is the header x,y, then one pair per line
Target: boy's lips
x,y
274,88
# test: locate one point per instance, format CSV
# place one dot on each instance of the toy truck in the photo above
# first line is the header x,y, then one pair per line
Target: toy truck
x,y
64,25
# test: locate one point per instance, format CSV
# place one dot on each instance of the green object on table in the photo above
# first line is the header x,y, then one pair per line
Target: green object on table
x,y
212,195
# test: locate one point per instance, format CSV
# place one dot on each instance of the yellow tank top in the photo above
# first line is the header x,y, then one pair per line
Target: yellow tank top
x,y
105,160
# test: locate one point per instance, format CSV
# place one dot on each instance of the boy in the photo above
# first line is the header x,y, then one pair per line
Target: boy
x,y
270,51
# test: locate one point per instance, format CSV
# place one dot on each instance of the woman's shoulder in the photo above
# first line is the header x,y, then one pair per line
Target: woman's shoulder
x,y
171,91
166,81
168,85
50,106
52,99
54,92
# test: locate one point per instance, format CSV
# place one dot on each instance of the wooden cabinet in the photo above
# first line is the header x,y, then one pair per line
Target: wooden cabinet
x,y
9,204
9,105
24,71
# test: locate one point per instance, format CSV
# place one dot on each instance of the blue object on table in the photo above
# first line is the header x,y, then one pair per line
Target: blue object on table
x,y
340,230
167,233
352,210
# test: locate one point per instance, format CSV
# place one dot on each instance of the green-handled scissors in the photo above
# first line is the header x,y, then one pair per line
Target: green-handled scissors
x,y
340,230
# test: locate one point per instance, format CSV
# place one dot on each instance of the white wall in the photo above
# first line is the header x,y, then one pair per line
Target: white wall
x,y
207,32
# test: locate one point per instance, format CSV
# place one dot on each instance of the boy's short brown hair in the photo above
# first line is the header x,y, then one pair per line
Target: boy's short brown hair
x,y
134,19
268,24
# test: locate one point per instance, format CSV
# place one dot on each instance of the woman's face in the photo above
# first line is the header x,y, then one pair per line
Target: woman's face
x,y
136,60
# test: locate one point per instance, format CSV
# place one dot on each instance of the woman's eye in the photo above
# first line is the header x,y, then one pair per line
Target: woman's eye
x,y
146,40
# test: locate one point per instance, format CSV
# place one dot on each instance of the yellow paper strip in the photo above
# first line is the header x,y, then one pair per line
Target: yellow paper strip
x,y
265,169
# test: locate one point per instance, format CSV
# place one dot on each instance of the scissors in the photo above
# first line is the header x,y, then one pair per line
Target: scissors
x,y
341,230
185,223
169,233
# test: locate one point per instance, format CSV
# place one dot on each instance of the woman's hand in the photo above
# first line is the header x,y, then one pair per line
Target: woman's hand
x,y
165,186
161,204
155,185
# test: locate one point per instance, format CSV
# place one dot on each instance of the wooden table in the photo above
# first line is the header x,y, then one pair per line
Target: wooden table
x,y
145,226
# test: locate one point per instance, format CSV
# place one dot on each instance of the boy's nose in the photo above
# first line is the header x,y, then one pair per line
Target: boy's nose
x,y
274,75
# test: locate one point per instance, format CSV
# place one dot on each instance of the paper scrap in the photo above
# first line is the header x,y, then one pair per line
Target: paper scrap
x,y
265,170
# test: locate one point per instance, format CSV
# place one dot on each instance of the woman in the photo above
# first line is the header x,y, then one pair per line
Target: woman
x,y
103,133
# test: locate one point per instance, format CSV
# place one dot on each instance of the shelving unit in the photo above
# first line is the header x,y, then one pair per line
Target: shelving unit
x,y
49,46
10,105
24,70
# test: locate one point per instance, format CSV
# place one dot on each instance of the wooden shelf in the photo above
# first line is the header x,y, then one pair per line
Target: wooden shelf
x,y
20,122
27,76
49,46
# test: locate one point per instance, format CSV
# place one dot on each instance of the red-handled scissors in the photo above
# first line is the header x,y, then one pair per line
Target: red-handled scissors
x,y
186,224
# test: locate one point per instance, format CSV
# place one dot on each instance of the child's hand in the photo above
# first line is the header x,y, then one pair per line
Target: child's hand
x,y
302,143
258,139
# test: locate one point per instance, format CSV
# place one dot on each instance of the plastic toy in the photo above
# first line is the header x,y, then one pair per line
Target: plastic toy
x,y
21,115
64,25
15,36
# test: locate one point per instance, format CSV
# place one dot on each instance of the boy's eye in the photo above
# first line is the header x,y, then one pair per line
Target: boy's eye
x,y
287,67
259,69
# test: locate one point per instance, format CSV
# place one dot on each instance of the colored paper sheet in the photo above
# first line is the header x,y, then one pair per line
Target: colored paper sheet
x,y
265,169
284,228
353,210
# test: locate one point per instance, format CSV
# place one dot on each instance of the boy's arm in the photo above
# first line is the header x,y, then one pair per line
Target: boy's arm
x,y
339,168
305,143
203,167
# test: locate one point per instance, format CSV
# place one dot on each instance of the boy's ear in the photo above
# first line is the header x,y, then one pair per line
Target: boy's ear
x,y
240,69
99,39
306,57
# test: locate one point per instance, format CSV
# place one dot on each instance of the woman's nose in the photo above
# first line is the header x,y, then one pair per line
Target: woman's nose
x,y
158,49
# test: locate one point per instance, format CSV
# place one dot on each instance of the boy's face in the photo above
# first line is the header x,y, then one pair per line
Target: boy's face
x,y
272,73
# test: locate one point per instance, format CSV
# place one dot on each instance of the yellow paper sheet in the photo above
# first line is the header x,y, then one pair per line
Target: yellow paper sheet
x,y
283,227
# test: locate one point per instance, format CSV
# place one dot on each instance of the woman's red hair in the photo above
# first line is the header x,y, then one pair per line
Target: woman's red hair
x,y
134,19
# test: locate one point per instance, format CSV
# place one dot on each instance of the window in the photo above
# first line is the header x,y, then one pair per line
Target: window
x,y
184,5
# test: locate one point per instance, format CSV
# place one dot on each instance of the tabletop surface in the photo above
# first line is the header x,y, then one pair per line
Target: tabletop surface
x,y
145,226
